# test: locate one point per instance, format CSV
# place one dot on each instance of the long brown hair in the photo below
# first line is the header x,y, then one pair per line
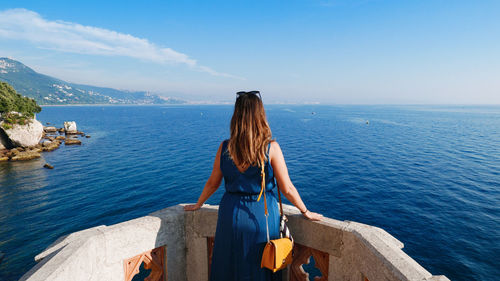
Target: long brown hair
x,y
250,132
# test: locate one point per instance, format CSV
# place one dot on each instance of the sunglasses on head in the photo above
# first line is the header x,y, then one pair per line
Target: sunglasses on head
x,y
242,93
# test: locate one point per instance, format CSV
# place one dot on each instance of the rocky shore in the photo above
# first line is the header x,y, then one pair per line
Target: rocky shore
x,y
28,141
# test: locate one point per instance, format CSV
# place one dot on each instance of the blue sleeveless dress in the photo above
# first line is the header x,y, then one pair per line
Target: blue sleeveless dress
x,y
240,235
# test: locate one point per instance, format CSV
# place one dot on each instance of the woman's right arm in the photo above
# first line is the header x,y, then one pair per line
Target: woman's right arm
x,y
285,184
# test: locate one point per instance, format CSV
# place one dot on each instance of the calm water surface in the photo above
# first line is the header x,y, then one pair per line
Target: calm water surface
x,y
428,175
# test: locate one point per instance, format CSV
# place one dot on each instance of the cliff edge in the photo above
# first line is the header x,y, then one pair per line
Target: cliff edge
x,y
18,125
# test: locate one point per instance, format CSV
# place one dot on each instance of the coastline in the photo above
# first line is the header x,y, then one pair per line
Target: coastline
x,y
132,104
105,104
286,104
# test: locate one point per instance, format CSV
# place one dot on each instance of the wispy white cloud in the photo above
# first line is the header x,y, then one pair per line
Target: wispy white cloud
x,y
22,24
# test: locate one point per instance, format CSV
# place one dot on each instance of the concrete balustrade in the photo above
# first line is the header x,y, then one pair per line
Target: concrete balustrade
x,y
353,251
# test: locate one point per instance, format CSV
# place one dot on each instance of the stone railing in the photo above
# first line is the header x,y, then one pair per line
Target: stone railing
x,y
177,245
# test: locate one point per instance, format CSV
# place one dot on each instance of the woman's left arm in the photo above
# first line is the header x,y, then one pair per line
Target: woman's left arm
x,y
211,185
285,184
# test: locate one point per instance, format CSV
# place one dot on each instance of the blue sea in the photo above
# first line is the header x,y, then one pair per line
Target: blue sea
x,y
429,175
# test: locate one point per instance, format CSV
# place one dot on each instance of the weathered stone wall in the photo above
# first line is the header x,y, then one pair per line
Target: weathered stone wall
x,y
199,226
98,253
356,251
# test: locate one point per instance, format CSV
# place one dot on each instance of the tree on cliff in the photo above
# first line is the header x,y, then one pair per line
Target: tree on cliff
x,y
11,101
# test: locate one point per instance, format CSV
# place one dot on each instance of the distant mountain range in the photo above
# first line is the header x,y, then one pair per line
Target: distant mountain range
x,y
48,90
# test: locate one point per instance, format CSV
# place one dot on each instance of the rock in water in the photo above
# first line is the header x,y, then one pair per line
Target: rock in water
x,y
50,145
24,135
46,143
37,149
50,129
72,141
25,155
70,127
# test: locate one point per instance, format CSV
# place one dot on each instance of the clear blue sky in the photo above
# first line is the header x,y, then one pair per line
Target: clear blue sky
x,y
369,52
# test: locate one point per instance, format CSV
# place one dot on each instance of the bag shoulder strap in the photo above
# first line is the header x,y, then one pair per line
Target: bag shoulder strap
x,y
263,184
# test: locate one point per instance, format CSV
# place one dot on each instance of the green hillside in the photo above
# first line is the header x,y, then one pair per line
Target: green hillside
x,y
49,90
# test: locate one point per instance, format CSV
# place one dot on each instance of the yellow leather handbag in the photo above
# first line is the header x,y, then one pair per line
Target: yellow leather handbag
x,y
278,252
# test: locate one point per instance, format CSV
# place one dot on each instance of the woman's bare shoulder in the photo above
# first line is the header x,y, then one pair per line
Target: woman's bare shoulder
x,y
274,143
275,147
